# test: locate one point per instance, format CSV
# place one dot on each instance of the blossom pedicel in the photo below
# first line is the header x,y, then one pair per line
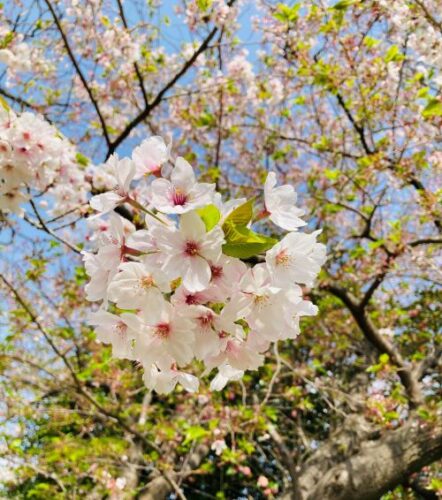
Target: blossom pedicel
x,y
189,286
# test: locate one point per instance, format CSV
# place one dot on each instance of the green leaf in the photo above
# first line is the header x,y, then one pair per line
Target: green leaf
x,y
272,413
285,13
244,243
423,92
423,413
195,433
81,159
206,120
433,108
203,5
375,244
4,104
393,54
332,175
391,415
241,216
436,484
210,216
6,40
374,369
383,358
371,42
344,4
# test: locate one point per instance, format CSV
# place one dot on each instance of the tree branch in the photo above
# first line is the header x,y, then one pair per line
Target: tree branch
x,y
430,18
157,100
80,387
381,465
79,72
136,67
380,342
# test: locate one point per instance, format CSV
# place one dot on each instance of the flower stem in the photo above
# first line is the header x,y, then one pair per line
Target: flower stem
x,y
137,205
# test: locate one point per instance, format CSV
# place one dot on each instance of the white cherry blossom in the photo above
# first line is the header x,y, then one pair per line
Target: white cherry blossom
x,y
149,156
225,374
297,258
165,381
189,250
112,329
122,173
138,285
280,203
162,332
182,193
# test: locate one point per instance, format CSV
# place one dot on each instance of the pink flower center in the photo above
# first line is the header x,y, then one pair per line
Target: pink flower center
x,y
154,170
191,299
206,320
179,197
260,300
191,248
263,214
232,347
217,272
162,330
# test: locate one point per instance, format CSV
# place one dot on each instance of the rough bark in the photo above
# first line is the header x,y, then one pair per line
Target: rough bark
x,y
362,464
358,463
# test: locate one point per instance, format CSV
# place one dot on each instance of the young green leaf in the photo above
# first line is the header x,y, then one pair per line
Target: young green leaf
x,y
210,216
241,216
433,108
244,243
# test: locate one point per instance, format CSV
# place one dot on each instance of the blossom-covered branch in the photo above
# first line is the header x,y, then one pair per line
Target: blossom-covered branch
x,y
179,289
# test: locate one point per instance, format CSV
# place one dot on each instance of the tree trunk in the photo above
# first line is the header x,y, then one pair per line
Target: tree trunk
x,y
377,463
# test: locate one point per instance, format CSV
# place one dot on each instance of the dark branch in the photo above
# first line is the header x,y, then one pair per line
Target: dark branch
x,y
359,129
381,343
157,100
79,72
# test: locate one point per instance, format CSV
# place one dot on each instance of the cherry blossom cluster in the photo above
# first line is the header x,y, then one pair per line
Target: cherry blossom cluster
x,y
14,52
197,283
18,56
423,34
34,159
217,11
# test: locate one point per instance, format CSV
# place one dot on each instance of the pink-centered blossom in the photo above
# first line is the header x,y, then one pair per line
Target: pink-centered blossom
x,y
189,250
149,156
182,193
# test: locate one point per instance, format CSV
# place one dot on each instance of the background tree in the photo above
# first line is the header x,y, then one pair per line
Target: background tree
x,y
340,99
